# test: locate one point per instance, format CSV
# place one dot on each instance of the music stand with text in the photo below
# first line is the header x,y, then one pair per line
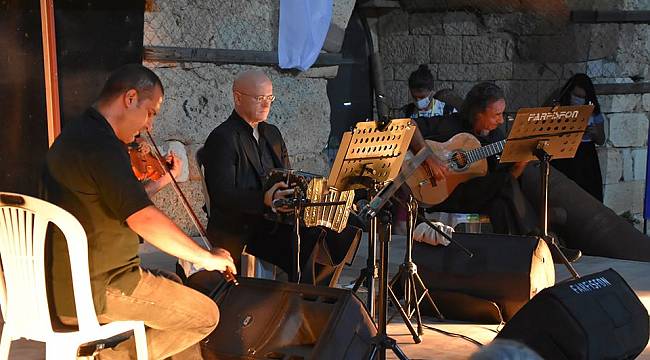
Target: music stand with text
x,y
542,134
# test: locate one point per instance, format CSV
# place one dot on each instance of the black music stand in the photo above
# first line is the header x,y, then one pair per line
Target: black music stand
x,y
545,133
370,157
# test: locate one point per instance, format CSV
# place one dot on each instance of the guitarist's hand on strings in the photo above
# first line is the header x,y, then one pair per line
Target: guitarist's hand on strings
x,y
435,169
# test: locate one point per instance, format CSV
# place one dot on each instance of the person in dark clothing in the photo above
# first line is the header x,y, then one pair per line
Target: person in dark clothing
x,y
584,168
425,103
88,173
497,193
237,156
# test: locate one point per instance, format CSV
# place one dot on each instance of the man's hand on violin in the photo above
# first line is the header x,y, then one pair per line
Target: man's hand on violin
x,y
219,260
279,190
174,164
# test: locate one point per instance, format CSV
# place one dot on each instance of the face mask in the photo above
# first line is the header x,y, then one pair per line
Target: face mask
x,y
423,103
577,100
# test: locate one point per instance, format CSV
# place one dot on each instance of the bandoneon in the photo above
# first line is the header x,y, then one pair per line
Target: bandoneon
x,y
311,188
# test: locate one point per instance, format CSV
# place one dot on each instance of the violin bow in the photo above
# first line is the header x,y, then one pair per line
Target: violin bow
x,y
228,275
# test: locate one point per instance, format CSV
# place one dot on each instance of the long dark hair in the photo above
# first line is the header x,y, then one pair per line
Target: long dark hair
x,y
477,100
583,81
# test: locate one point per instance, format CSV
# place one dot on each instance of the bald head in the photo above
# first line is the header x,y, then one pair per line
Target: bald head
x,y
251,91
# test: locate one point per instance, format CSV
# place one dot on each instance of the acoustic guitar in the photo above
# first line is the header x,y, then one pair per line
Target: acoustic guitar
x,y
465,159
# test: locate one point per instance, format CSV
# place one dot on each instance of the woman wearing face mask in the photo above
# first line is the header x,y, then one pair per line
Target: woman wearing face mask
x,y
584,168
425,103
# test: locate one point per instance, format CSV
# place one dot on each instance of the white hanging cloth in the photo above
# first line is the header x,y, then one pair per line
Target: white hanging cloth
x,y
303,28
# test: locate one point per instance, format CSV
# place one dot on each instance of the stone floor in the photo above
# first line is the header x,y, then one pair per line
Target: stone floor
x,y
434,344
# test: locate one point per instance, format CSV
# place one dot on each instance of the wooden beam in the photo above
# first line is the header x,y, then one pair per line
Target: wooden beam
x,y
50,71
622,89
611,16
223,56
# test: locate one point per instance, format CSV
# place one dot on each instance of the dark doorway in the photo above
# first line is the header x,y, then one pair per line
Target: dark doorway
x,y
349,92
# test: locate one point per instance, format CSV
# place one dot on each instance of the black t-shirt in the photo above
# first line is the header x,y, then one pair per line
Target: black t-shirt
x,y
88,173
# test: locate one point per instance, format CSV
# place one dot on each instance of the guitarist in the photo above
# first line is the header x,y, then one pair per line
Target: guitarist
x,y
497,194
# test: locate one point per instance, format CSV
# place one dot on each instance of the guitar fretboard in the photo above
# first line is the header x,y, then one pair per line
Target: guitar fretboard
x,y
485,151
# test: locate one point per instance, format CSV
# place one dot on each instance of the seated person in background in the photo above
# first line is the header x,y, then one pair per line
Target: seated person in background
x,y
88,173
584,168
237,156
426,103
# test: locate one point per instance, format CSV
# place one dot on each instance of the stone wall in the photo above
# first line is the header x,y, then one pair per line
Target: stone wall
x,y
529,56
198,97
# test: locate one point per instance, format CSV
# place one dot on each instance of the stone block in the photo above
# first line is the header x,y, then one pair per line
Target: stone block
x,y
639,161
194,23
421,49
595,68
646,102
537,71
399,49
403,71
397,93
628,165
571,69
314,163
394,23
389,72
426,24
627,130
325,72
460,23
619,103
484,49
458,72
604,41
440,85
519,94
446,49
611,164
341,11
559,48
624,196
168,202
497,71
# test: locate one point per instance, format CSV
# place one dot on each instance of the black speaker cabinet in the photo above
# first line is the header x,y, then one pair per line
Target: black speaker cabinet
x,y
595,317
505,272
263,319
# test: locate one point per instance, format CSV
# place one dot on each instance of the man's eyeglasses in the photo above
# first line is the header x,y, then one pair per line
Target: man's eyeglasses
x,y
260,98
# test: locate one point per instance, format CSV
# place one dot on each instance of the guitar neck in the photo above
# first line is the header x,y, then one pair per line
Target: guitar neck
x,y
485,151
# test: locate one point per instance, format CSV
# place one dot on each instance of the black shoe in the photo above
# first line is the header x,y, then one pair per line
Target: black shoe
x,y
570,254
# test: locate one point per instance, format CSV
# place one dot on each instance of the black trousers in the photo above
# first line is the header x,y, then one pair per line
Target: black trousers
x,y
497,195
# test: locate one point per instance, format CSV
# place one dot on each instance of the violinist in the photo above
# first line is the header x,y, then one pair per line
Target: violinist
x,y
89,174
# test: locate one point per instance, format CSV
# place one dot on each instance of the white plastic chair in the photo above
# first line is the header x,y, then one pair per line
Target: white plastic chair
x,y
23,297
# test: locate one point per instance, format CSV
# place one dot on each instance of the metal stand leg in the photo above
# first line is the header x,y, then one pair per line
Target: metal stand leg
x,y
545,168
382,341
411,282
369,273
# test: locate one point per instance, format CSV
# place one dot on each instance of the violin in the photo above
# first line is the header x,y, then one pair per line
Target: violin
x,y
143,165
143,162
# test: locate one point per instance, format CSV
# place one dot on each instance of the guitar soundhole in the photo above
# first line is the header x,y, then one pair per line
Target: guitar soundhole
x,y
459,160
